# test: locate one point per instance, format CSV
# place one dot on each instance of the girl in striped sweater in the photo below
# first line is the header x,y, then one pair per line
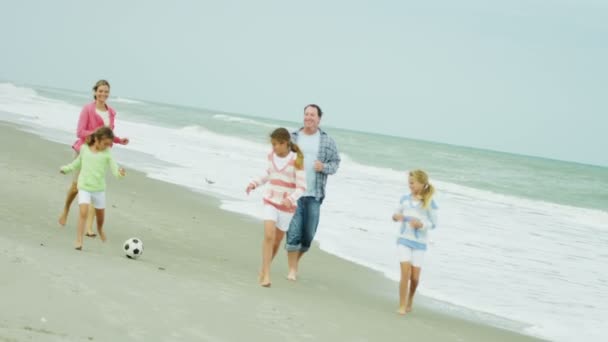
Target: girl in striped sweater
x,y
417,213
286,183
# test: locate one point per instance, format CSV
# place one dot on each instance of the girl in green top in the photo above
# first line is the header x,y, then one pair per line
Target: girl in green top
x,y
93,162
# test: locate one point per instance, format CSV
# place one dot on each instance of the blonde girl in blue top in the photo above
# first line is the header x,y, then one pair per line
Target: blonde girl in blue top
x,y
417,213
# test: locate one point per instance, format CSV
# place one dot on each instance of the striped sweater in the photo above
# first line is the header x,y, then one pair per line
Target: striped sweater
x,y
287,182
412,209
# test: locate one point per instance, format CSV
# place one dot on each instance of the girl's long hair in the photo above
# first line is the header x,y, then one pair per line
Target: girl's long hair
x,y
283,135
428,189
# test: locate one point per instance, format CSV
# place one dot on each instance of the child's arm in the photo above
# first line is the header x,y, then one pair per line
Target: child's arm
x,y
118,172
258,181
74,165
398,215
429,221
300,186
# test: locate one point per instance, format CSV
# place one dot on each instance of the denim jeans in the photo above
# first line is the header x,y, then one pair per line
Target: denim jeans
x,y
303,225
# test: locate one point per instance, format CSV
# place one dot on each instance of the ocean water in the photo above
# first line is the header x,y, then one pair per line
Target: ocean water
x,y
522,242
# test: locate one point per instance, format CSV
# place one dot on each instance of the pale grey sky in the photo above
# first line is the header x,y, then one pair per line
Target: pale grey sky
x,y
527,77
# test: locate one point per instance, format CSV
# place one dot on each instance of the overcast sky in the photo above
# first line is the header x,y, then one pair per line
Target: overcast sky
x,y
527,77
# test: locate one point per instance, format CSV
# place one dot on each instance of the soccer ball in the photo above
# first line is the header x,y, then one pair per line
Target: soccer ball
x,y
134,248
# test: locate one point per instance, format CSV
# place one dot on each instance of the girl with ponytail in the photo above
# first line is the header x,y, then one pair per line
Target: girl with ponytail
x,y
286,182
417,213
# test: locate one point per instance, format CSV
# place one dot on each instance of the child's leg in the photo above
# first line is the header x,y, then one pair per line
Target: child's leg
x,y
414,279
278,237
267,245
100,213
84,208
98,205
72,192
90,219
403,286
281,226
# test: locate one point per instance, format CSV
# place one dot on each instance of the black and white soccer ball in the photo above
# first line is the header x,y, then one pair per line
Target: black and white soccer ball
x,y
133,248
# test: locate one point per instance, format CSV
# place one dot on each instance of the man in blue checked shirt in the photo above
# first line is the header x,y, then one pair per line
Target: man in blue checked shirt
x,y
321,159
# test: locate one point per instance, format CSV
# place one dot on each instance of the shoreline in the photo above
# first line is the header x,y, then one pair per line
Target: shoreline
x,y
200,262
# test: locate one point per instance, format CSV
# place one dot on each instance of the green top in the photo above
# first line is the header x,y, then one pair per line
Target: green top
x,y
93,167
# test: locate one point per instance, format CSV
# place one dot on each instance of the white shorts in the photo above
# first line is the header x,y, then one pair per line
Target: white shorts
x,y
408,254
282,219
97,199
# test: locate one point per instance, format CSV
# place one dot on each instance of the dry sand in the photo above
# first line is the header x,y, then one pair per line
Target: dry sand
x,y
196,280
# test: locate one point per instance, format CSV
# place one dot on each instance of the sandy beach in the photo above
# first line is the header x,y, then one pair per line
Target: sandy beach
x,y
196,280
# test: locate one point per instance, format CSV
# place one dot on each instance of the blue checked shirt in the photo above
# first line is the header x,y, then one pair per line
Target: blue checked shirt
x,y
328,155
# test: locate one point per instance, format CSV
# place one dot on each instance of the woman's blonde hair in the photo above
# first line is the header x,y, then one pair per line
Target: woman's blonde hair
x,y
428,190
99,84
282,135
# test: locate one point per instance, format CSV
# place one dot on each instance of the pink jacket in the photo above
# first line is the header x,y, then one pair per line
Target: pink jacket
x,y
89,122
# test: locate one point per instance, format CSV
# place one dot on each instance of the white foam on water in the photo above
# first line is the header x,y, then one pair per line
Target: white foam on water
x,y
529,261
245,121
124,100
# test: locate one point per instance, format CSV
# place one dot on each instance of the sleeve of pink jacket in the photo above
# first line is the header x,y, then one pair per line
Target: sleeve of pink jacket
x,y
118,140
83,130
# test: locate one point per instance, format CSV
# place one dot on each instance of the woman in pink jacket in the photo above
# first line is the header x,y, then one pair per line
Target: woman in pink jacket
x,y
93,116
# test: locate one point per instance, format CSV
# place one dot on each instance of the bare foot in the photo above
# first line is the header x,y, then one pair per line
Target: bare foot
x,y
78,247
292,275
265,280
409,308
102,235
402,310
63,219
